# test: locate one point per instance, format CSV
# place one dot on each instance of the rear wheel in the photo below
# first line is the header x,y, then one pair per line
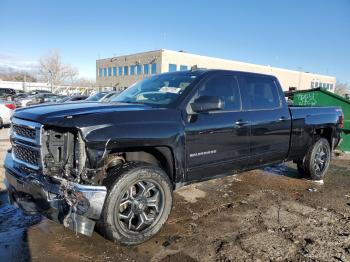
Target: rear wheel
x,y
138,203
1,123
316,161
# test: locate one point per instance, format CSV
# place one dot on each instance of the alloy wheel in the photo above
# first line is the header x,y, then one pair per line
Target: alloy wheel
x,y
140,206
321,158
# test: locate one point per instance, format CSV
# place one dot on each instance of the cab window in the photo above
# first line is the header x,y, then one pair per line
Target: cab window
x,y
225,87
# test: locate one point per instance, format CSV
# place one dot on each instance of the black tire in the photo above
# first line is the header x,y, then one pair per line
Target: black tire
x,y
316,161
135,184
1,123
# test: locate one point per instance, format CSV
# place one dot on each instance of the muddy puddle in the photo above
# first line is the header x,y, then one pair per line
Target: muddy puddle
x,y
13,231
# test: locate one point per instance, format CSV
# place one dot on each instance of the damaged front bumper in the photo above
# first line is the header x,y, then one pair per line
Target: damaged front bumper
x,y
76,206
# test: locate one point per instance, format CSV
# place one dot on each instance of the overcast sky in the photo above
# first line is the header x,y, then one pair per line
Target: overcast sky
x,y
313,35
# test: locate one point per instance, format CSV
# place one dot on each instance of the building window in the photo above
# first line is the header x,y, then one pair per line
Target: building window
x,y
139,69
183,67
316,84
132,70
100,72
120,70
172,67
153,68
114,71
324,85
126,70
105,71
312,85
146,69
331,87
109,71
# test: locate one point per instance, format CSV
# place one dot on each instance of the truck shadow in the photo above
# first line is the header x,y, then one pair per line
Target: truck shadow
x,y
13,231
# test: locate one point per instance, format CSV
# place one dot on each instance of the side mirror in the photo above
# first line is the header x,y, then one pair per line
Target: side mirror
x,y
207,103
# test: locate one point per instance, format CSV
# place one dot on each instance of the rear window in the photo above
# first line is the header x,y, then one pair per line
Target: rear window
x,y
262,93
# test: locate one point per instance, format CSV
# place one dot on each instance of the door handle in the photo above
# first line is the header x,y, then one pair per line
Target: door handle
x,y
241,123
282,118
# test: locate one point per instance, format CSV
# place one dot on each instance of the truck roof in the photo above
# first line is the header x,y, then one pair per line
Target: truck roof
x,y
205,70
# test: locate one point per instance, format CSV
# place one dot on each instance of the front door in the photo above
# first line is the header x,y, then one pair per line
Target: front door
x,y
217,142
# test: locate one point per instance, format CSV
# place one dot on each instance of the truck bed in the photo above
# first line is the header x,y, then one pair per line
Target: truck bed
x,y
305,120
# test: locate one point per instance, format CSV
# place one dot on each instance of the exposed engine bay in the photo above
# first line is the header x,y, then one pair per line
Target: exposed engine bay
x,y
63,154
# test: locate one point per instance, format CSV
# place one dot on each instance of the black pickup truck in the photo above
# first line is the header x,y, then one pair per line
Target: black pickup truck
x,y
115,165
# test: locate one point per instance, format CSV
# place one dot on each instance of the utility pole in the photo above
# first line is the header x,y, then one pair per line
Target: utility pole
x,y
24,82
51,80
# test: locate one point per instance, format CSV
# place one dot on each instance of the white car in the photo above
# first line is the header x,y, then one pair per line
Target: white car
x,y
6,110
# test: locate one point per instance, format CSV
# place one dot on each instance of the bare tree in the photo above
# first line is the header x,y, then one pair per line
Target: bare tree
x,y
54,71
342,89
84,82
71,74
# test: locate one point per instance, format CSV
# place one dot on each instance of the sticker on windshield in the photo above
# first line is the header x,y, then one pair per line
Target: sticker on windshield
x,y
170,89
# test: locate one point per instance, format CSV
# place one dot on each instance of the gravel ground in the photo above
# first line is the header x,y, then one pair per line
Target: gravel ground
x,y
262,215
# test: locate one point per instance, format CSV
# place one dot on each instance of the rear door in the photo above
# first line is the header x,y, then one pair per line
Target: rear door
x,y
218,141
269,118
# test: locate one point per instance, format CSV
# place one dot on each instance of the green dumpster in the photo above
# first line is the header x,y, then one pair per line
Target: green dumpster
x,y
321,97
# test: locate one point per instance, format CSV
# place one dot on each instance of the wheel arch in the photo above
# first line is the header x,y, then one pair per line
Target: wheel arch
x,y
161,156
326,133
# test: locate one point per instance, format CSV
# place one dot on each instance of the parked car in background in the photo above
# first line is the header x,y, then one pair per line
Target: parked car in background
x,y
18,96
72,98
35,92
24,101
96,97
6,92
6,109
40,99
108,97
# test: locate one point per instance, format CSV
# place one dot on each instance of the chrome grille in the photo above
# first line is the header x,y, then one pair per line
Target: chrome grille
x,y
24,131
26,143
27,155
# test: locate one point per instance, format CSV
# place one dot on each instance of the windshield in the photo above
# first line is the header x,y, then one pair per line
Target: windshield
x,y
96,96
110,98
158,90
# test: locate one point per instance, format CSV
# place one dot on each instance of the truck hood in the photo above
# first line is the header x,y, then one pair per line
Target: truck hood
x,y
48,113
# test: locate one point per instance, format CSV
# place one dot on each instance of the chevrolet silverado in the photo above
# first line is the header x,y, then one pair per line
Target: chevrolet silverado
x,y
113,166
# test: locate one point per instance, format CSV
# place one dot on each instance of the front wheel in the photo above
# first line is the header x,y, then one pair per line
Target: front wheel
x,y
138,203
316,161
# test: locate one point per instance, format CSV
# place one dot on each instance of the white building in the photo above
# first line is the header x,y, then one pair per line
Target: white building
x,y
25,86
122,71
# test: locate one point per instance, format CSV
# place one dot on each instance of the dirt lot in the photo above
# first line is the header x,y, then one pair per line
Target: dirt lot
x,y
261,215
